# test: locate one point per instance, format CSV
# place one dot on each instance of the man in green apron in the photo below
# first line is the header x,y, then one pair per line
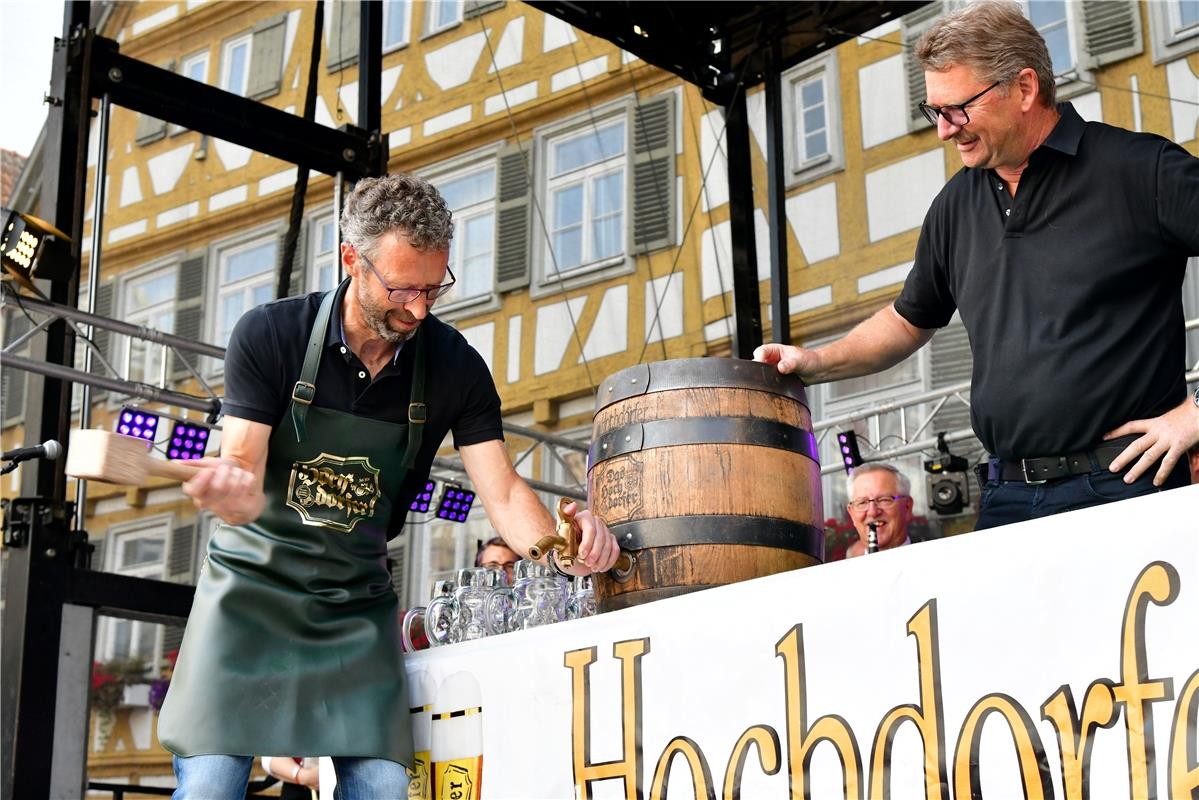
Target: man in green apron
x,y
335,406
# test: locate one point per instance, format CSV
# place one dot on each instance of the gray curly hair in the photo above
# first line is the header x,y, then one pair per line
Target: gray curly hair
x,y
406,204
902,484
994,39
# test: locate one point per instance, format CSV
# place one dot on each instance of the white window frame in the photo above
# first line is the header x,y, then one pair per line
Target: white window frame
x,y
799,171
1071,23
216,291
159,526
1169,42
226,61
544,282
124,344
1078,79
431,27
195,58
389,7
456,306
317,260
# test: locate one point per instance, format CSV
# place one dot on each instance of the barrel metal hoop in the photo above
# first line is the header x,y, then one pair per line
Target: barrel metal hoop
x,y
783,534
702,430
698,373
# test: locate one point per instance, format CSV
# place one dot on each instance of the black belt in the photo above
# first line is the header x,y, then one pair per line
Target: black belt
x,y
1049,468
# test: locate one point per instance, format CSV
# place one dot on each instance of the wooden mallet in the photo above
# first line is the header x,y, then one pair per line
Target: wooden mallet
x,y
97,455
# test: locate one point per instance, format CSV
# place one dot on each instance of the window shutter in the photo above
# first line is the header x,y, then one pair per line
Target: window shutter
x,y
913,27
151,129
950,362
12,380
653,175
102,338
513,204
1111,31
343,35
397,552
189,316
477,8
266,58
182,553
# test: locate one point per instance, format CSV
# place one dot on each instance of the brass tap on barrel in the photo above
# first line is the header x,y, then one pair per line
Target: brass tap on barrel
x,y
566,542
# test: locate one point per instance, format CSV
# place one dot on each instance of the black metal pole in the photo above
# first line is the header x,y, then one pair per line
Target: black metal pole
x,y
38,568
747,308
776,189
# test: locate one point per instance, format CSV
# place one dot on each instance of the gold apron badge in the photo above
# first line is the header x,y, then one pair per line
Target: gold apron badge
x,y
334,492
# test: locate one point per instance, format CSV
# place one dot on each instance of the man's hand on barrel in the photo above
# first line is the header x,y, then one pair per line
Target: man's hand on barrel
x,y
598,550
788,358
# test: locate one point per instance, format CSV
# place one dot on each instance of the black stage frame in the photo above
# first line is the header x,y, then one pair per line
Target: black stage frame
x,y
51,592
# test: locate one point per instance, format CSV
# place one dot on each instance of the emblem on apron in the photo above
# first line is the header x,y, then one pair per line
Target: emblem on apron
x,y
333,492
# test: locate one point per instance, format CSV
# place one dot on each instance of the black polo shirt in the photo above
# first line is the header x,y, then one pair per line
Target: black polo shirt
x,y
266,353
1071,291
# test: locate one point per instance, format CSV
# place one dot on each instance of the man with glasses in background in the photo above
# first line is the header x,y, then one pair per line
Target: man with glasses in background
x,y
496,554
881,495
1063,244
335,405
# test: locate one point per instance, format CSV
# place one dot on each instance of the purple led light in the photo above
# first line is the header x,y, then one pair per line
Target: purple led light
x,y
173,453
203,434
124,429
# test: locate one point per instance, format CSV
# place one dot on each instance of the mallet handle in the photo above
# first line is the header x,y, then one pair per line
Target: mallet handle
x,y
179,470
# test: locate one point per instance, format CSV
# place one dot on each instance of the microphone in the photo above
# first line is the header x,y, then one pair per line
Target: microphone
x,y
49,450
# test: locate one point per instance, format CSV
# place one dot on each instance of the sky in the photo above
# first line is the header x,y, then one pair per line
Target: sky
x,y
27,31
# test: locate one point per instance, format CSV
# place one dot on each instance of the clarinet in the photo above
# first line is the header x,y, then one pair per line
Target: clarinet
x,y
872,537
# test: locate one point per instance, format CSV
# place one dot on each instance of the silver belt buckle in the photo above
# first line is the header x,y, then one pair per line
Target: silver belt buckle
x,y
1028,480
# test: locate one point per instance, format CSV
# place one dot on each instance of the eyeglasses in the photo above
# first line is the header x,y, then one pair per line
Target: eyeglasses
x,y
885,502
402,295
954,115
504,565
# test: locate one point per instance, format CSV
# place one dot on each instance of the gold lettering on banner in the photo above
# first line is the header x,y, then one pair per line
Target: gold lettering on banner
x,y
800,738
1075,736
628,767
1076,728
334,492
1030,752
767,740
701,776
1184,747
928,716
1158,583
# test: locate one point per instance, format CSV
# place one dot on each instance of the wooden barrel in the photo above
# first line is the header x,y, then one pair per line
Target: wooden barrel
x,y
705,469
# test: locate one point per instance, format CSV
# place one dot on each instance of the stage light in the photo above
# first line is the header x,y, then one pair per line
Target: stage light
x,y
455,503
187,441
948,483
138,423
423,498
33,248
850,455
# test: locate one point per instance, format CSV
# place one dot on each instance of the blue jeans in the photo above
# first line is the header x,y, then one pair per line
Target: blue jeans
x,y
226,778
1004,502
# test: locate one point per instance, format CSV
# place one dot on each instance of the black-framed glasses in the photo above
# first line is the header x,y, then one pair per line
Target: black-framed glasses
x,y
885,502
402,294
954,115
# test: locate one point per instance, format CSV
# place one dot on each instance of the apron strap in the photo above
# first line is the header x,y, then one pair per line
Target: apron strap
x,y
417,411
305,389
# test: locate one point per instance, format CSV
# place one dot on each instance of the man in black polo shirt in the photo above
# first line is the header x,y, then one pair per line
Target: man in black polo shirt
x,y
1063,244
336,404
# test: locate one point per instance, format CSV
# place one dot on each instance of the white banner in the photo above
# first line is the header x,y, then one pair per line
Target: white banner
x,y
1052,659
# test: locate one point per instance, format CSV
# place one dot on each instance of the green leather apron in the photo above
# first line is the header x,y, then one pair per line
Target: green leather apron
x,y
293,642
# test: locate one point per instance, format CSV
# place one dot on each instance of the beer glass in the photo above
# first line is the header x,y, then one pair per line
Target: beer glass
x,y
440,614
